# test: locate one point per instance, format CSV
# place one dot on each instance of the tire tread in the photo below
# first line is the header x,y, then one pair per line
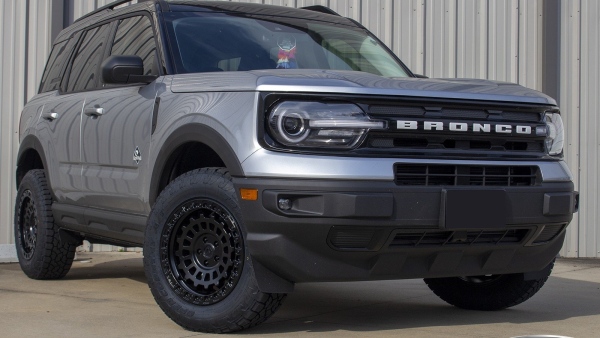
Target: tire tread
x,y
57,256
256,306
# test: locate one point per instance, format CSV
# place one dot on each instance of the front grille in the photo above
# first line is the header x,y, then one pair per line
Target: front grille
x,y
549,233
465,175
465,131
454,143
456,238
456,113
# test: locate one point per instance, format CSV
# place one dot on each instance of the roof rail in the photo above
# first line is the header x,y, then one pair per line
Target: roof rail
x,y
321,9
110,6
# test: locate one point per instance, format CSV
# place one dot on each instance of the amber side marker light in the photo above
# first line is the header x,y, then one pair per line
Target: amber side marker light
x,y
249,194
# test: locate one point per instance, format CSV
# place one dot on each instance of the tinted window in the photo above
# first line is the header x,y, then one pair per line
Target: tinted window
x,y
136,37
56,64
86,64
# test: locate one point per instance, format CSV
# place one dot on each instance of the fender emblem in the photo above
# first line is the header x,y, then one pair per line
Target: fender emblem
x,y
137,155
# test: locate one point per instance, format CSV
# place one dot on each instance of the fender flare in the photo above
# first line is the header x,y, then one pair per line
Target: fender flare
x,y
32,142
192,133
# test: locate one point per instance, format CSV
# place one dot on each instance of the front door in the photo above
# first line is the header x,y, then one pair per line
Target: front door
x,y
116,130
117,126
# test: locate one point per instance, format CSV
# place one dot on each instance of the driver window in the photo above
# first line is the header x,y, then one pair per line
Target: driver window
x,y
135,37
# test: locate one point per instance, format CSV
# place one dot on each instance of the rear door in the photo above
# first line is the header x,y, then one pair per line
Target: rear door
x,y
60,123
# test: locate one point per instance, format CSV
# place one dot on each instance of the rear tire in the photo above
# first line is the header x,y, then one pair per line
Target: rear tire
x,y
487,293
41,253
198,268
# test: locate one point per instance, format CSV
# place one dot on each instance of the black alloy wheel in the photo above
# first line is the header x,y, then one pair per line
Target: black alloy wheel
x,y
202,251
28,224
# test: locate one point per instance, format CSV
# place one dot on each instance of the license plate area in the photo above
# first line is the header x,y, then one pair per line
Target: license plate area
x,y
473,209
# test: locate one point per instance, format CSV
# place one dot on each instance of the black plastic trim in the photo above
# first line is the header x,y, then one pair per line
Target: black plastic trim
x,y
297,248
155,114
321,9
116,226
31,142
193,133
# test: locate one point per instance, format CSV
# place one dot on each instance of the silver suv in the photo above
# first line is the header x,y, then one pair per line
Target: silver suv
x,y
250,147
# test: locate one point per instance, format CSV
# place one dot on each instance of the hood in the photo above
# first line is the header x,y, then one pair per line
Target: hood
x,y
349,82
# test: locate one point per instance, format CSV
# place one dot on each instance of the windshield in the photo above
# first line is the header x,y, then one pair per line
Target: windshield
x,y
216,42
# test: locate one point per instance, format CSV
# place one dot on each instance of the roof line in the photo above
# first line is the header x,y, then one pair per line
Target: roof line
x,y
110,6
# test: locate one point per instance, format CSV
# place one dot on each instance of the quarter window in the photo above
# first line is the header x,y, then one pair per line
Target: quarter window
x,y
51,77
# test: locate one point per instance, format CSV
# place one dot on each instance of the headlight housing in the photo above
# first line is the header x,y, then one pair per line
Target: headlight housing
x,y
555,134
301,124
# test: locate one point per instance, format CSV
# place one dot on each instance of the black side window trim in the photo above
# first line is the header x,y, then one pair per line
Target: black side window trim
x,y
111,37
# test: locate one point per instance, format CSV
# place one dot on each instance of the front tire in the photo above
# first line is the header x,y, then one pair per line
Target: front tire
x,y
195,257
41,252
487,293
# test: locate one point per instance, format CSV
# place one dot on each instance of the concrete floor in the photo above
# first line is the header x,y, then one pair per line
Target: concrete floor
x,y
105,295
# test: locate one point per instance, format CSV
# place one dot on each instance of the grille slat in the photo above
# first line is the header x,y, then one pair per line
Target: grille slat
x,y
461,175
457,238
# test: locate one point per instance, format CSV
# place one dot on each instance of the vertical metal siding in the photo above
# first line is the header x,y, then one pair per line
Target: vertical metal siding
x,y
408,31
570,102
472,39
496,39
589,235
503,40
530,44
13,89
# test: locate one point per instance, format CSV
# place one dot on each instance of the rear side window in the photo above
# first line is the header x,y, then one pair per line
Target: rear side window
x,y
86,65
56,64
135,37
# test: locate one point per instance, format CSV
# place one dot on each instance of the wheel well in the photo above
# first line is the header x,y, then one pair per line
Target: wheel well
x,y
28,161
187,157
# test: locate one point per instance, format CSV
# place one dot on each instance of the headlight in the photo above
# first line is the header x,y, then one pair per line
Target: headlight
x,y
555,136
320,125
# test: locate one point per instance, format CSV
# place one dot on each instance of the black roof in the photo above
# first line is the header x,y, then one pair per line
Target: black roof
x,y
319,13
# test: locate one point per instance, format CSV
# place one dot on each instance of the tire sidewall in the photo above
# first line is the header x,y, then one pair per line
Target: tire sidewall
x,y
33,266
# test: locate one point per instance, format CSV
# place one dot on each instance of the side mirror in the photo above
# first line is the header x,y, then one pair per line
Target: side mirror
x,y
123,69
419,76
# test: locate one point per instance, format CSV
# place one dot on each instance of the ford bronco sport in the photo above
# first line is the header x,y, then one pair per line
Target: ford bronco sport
x,y
249,147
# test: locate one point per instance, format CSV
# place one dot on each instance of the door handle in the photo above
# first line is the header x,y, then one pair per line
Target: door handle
x,y
50,115
93,112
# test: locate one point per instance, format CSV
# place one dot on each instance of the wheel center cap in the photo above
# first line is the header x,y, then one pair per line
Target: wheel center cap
x,y
208,251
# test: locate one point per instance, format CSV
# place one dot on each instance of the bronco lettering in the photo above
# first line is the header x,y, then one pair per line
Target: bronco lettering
x,y
464,127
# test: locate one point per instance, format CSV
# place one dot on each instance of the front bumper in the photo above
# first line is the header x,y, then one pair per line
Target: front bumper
x,y
341,230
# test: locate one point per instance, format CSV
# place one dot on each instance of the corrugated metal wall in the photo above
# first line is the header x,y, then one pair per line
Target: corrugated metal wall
x,y
580,99
496,39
